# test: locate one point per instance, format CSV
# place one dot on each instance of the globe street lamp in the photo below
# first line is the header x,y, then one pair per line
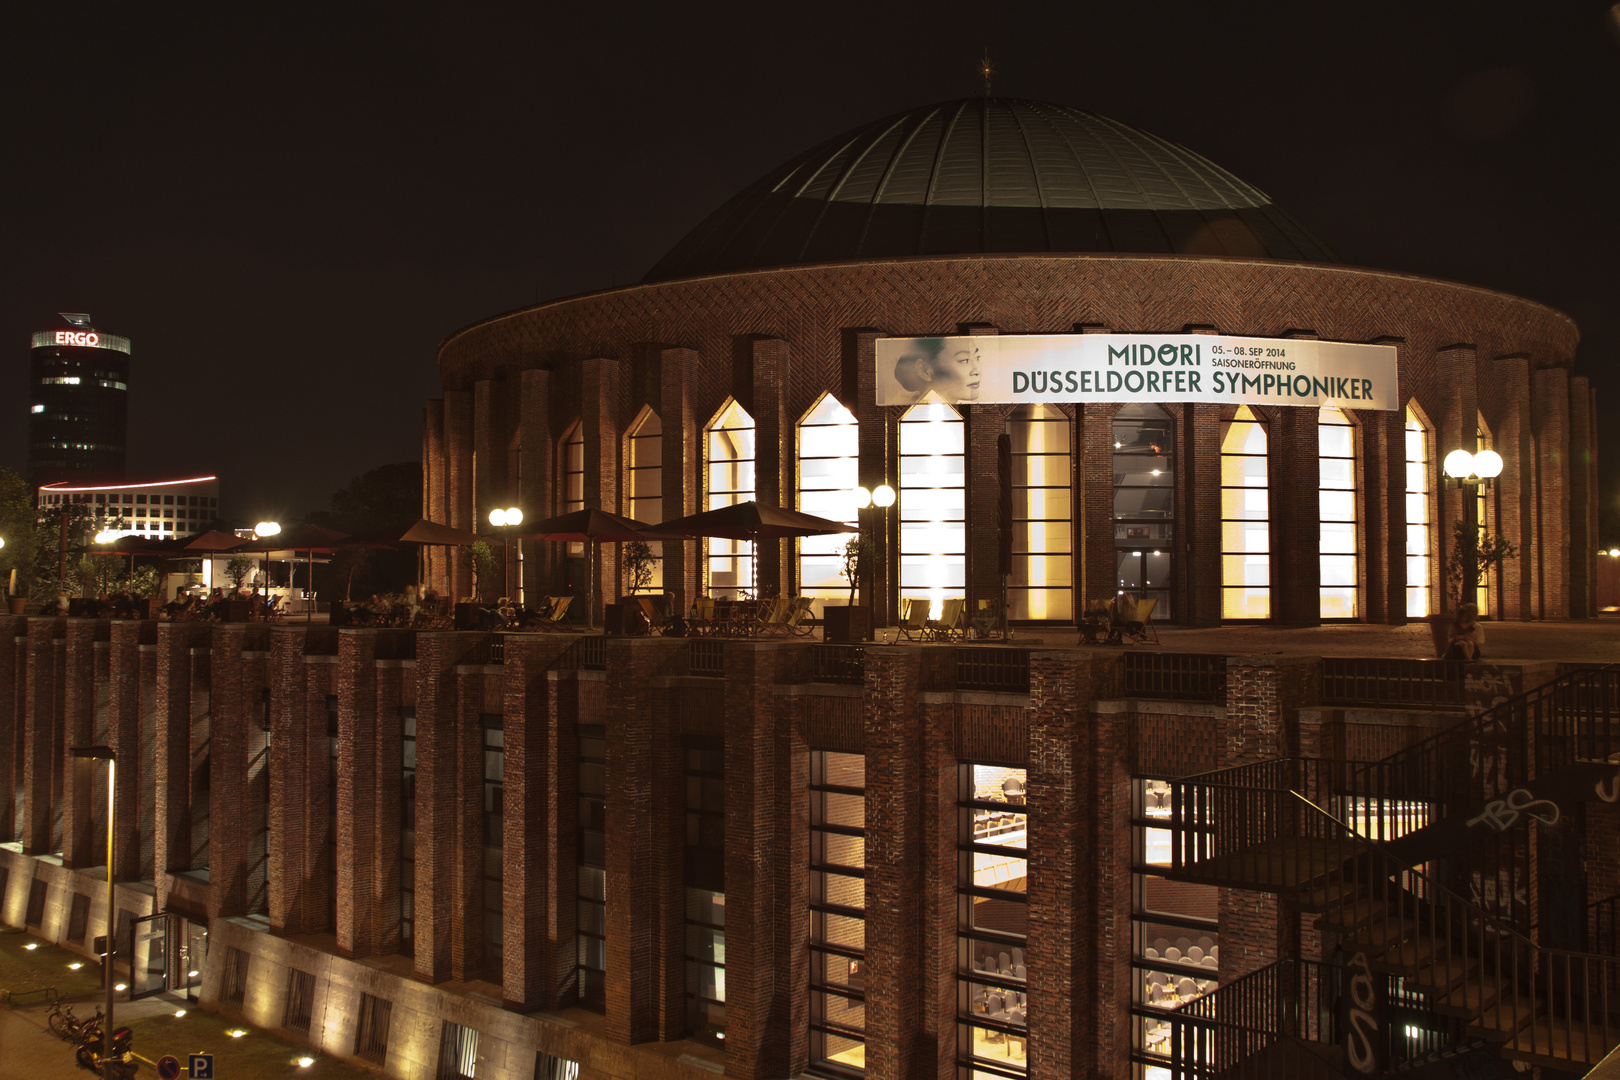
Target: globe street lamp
x,y
1471,470
260,531
505,520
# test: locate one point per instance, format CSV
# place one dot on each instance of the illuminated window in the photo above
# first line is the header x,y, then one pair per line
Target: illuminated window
x,y
705,887
1144,503
933,502
1245,518
1417,516
1042,510
573,476
993,921
838,910
647,484
730,480
1336,452
1484,505
829,450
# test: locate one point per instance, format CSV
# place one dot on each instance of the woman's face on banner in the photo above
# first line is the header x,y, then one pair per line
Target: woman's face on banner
x,y
957,373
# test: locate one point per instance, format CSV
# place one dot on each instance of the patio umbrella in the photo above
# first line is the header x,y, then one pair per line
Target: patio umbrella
x,y
594,526
752,521
422,533
308,539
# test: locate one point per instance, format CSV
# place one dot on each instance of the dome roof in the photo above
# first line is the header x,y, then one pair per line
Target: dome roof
x,y
985,175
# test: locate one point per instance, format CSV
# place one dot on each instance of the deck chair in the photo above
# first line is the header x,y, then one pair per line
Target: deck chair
x,y
701,617
660,613
913,618
986,621
951,625
441,617
774,621
275,612
1141,630
552,619
798,622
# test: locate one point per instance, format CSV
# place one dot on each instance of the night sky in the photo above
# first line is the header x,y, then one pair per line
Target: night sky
x,y
287,207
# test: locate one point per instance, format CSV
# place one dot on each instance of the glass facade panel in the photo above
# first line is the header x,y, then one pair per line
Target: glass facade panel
x,y
829,452
1042,584
647,485
728,480
1339,587
1144,503
993,917
837,912
933,504
1418,566
1245,518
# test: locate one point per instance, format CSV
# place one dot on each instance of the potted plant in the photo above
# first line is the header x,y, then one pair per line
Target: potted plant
x,y
850,622
480,559
637,559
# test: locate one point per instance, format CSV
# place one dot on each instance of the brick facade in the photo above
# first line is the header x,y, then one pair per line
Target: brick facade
x,y
1079,739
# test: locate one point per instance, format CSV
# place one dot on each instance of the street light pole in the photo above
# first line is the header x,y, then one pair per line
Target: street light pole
x,y
1470,471
504,520
103,753
260,531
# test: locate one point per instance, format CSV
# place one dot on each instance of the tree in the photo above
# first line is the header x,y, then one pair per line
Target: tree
x,y
1489,553
19,527
857,549
238,568
480,560
638,565
385,496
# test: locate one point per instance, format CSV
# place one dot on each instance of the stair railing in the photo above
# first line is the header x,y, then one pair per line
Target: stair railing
x,y
1288,1000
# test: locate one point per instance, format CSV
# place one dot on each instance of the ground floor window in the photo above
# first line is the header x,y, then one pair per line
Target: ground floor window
x,y
993,922
838,912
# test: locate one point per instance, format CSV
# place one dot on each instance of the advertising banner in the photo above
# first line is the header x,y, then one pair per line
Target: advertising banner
x,y
1156,368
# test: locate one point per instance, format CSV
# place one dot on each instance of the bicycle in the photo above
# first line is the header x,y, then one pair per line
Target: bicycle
x,y
118,1067
65,1025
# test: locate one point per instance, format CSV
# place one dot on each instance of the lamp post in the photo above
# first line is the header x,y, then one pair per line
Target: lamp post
x,y
1471,470
103,753
881,497
260,531
504,520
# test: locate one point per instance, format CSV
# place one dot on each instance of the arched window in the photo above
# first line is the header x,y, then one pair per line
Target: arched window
x,y
573,476
829,452
730,480
933,503
647,483
1144,503
1042,584
1336,454
1418,561
1245,518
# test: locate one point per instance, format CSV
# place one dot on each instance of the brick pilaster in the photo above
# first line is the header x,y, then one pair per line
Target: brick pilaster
x,y
389,755
1456,416
13,679
291,861
894,903
770,958
1550,410
436,799
775,480
1583,540
878,465
1507,392
42,748
79,812
536,468
357,802
458,481
600,380
1295,476
682,463
466,792
172,760
1198,516
645,773
1263,697
529,894
230,824
435,571
124,737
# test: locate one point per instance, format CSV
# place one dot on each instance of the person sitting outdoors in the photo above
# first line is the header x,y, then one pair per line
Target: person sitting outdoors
x,y
1122,616
1467,635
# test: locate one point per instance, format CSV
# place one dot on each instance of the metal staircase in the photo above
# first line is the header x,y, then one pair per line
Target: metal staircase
x,y
1421,868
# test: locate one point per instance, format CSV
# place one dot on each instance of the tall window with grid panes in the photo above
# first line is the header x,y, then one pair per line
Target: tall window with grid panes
x,y
1339,588
838,912
1245,517
1175,933
728,480
1419,565
647,484
494,841
571,463
1145,504
829,451
705,887
992,921
1043,514
933,504
590,906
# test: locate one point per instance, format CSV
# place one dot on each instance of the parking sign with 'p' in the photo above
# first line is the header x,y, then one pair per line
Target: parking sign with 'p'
x,y
202,1067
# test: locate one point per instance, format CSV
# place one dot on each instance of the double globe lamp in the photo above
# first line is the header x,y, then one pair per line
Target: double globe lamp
x,y
1470,469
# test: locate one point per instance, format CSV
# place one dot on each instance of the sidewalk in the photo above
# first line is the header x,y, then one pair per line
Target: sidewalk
x,y
30,1049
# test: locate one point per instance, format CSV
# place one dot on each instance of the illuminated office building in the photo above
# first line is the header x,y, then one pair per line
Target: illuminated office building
x,y
78,405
